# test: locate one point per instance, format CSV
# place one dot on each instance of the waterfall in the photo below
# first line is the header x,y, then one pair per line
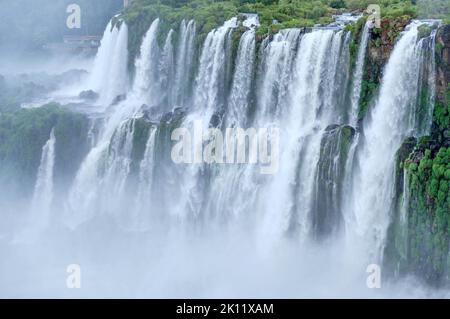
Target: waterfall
x,y
391,121
184,61
355,94
103,58
43,190
145,83
358,75
99,169
109,77
239,97
343,79
289,196
212,75
142,213
427,86
209,99
278,57
166,71
299,83
403,220
117,164
232,191
330,201
334,149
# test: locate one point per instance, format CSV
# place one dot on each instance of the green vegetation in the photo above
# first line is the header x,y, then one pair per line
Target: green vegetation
x,y
334,151
13,95
18,89
424,31
141,13
140,136
429,213
23,133
442,112
273,14
420,244
439,9
355,29
381,44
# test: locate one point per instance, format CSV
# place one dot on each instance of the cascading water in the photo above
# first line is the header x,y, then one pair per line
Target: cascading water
x,y
117,168
355,95
238,103
212,75
332,178
209,98
43,190
142,216
83,204
390,122
185,54
426,86
329,181
109,77
166,71
145,82
358,75
276,72
232,186
291,192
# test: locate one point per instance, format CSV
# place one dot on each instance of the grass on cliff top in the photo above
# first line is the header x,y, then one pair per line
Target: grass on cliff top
x,y
287,13
273,14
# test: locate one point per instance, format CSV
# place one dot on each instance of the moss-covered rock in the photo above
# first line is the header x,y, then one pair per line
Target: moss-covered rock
x,y
381,44
140,14
441,115
23,134
419,236
334,150
429,215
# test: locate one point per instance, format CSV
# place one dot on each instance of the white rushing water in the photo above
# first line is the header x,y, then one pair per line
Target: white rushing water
x,y
310,112
390,122
109,77
185,55
240,92
358,74
276,72
83,204
300,77
226,229
166,71
209,91
43,190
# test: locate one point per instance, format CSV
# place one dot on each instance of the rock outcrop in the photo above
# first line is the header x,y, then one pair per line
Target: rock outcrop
x,y
442,61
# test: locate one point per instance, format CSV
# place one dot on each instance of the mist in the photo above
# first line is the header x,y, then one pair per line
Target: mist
x,y
89,186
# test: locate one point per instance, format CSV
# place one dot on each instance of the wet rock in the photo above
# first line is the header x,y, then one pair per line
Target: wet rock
x,y
119,99
329,180
88,95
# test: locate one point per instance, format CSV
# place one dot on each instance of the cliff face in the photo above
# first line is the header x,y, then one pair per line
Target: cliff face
x,y
442,61
420,231
381,44
22,136
383,40
441,118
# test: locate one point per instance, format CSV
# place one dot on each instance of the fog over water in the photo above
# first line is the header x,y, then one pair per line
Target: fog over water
x,y
102,191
